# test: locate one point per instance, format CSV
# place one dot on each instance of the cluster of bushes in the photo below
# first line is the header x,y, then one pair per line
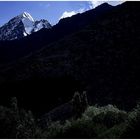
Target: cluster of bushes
x,y
98,122
133,124
95,122
17,123
89,122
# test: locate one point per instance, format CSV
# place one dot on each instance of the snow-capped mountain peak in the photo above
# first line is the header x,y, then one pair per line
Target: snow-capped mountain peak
x,y
20,26
28,23
27,15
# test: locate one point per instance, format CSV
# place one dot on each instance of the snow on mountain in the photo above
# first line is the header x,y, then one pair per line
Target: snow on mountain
x,y
27,15
41,24
28,22
21,26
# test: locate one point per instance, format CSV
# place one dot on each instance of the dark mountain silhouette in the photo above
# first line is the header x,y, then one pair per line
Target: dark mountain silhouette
x,y
97,51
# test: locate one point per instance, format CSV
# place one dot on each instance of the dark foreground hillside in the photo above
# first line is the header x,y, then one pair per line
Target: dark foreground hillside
x,y
101,58
86,122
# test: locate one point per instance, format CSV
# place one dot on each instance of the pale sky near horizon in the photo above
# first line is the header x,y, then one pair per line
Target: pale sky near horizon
x,y
50,10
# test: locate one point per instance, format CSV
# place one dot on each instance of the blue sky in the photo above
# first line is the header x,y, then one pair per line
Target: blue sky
x,y
50,10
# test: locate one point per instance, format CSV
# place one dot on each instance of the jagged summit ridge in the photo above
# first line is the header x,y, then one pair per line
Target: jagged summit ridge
x,y
27,15
21,26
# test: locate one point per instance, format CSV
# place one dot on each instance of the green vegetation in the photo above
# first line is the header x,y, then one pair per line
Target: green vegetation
x,y
17,123
79,103
92,122
95,122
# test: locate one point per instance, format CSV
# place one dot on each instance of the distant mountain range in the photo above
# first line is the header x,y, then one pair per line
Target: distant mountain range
x,y
21,26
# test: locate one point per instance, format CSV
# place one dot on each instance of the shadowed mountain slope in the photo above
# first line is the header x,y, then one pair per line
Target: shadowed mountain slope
x,y
102,58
